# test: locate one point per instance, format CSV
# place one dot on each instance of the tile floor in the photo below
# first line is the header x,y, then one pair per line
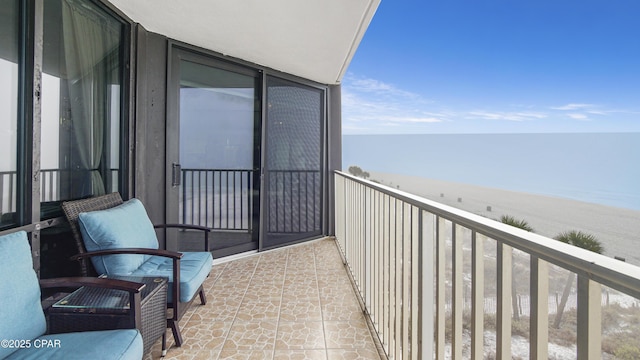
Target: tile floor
x,y
291,303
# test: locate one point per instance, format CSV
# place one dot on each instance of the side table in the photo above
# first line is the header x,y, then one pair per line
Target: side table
x,y
91,308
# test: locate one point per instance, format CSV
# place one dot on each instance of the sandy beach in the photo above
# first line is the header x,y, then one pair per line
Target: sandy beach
x,y
618,229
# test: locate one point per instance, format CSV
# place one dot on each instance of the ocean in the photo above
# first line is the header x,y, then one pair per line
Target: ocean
x,y
601,168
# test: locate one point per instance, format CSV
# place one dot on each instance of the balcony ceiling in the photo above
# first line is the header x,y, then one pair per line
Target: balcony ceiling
x,y
314,39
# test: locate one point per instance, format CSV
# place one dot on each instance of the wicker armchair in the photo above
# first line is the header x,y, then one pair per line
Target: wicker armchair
x,y
177,301
23,326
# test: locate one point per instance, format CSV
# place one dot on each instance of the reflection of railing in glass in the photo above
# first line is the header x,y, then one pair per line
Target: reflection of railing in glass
x,y
51,185
7,191
294,201
222,199
217,198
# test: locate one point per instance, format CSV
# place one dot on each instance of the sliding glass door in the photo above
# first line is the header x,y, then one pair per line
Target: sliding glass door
x,y
214,147
244,155
293,174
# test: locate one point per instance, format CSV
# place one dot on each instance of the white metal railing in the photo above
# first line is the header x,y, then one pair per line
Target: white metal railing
x,y
425,272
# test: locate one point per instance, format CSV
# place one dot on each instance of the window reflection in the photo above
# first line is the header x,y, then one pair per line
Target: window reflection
x,y
80,102
8,111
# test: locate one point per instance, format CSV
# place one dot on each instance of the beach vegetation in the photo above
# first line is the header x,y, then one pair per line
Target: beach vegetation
x,y
357,171
519,223
581,240
524,225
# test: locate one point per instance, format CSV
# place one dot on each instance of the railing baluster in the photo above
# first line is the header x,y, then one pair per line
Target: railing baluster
x,y
387,274
477,296
406,279
589,319
398,280
440,292
457,296
539,321
503,316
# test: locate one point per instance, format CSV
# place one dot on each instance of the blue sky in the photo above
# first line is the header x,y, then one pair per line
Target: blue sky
x,y
496,66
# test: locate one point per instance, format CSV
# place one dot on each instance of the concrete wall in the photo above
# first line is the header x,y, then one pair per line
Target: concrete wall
x,y
150,123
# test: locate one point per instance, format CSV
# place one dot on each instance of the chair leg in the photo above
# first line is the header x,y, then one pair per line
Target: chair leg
x,y
177,336
203,297
164,344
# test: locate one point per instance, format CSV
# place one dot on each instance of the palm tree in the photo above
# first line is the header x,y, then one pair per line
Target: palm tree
x,y
582,240
520,224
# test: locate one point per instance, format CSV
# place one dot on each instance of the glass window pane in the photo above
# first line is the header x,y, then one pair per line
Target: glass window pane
x,y
81,110
217,112
216,117
8,110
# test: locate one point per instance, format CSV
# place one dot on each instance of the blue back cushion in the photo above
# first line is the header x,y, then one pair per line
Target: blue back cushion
x,y
21,315
123,226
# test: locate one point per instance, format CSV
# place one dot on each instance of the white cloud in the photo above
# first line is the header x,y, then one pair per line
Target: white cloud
x,y
409,119
583,111
368,85
571,107
578,116
368,105
374,106
505,115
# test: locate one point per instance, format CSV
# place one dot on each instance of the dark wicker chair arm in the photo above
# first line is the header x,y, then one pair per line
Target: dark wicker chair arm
x,y
205,229
138,251
182,226
175,256
74,282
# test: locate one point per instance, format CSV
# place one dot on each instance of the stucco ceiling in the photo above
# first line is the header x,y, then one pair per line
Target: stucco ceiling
x,y
314,39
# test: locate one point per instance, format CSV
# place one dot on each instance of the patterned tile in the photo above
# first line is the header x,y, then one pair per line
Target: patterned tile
x,y
300,355
255,335
352,354
337,312
204,335
348,335
300,294
290,303
265,290
246,354
256,309
300,335
218,308
298,309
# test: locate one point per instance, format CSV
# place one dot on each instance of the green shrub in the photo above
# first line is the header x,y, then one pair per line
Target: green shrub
x,y
627,352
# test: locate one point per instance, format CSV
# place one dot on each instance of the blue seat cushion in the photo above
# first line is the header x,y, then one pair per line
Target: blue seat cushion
x,y
109,344
123,226
194,269
21,315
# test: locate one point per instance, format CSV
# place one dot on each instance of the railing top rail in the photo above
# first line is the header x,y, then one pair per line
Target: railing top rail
x,y
607,271
229,170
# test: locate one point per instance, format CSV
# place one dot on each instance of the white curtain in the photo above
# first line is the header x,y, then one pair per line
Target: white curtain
x,y
91,51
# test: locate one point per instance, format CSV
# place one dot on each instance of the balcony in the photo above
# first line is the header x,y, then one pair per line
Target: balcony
x,y
292,303
440,282
432,280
